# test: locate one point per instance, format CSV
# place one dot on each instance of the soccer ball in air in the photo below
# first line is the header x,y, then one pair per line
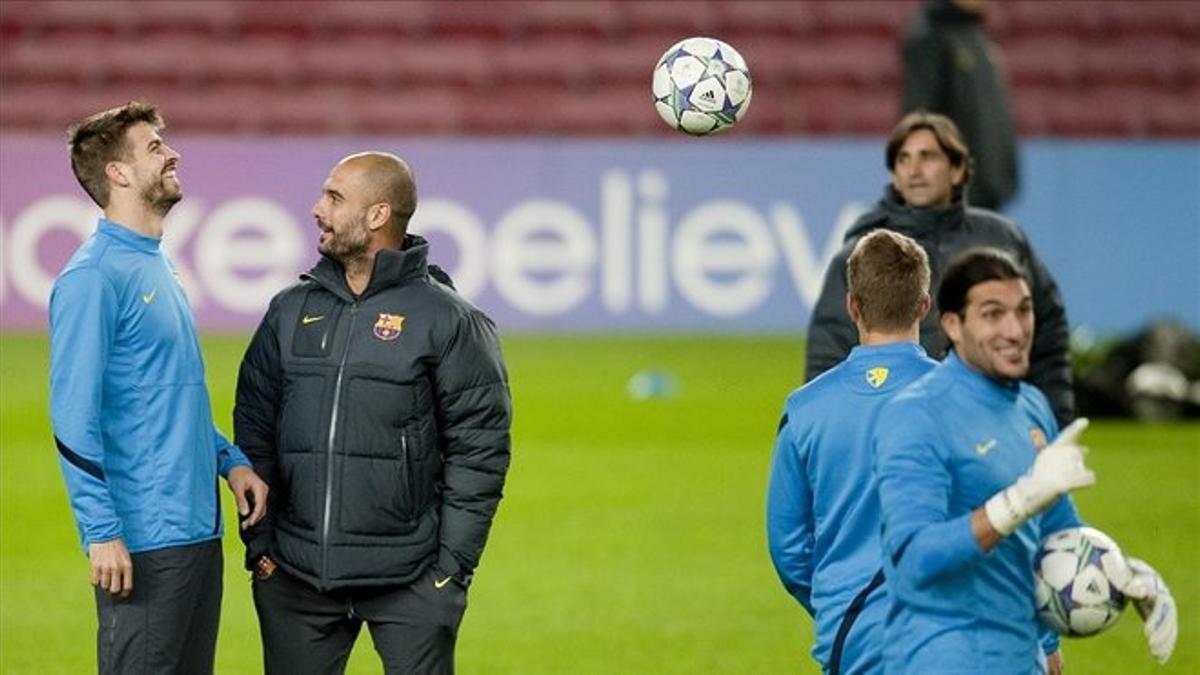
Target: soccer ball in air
x,y
701,86
1073,572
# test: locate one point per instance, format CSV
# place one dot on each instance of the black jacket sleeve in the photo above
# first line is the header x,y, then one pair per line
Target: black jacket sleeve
x,y
474,412
831,333
1050,360
254,424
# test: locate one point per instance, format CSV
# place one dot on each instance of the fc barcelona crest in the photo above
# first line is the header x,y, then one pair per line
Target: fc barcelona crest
x,y
877,376
388,326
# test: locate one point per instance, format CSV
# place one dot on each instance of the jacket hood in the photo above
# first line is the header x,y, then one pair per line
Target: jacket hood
x,y
892,213
392,267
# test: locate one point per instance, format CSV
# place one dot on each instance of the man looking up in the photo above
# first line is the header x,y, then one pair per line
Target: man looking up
x,y
132,420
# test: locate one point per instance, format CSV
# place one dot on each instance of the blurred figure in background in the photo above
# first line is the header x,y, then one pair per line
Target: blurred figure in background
x,y
930,168
374,400
131,415
822,511
952,68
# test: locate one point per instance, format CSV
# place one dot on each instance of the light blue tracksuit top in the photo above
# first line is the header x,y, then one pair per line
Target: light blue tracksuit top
x,y
132,420
822,512
943,447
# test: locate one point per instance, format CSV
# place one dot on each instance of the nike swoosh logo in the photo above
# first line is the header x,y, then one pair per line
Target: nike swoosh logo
x,y
441,584
149,297
984,448
311,319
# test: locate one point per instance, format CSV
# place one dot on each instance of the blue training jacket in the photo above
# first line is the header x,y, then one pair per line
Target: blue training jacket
x,y
822,511
132,420
943,447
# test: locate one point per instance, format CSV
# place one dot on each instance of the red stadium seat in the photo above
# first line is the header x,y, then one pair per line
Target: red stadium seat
x,y
1064,18
583,66
559,61
764,17
879,19
586,19
1140,61
1041,61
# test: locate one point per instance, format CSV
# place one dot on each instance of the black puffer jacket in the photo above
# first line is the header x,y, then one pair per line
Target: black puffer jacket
x,y
944,233
381,424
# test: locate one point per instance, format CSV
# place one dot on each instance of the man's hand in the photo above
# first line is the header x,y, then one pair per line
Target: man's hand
x,y
1153,601
1057,470
112,568
1054,663
251,494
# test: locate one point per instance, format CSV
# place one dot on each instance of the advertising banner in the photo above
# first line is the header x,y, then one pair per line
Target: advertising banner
x,y
571,235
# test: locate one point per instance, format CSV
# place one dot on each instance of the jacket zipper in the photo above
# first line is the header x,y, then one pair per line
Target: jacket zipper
x,y
333,420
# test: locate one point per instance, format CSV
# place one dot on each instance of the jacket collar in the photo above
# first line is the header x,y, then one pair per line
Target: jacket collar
x,y
892,213
392,267
128,237
980,384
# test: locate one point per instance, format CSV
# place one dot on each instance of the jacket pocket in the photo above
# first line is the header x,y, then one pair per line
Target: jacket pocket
x,y
376,492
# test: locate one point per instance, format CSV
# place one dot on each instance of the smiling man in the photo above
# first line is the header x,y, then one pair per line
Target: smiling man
x,y
131,415
930,167
969,488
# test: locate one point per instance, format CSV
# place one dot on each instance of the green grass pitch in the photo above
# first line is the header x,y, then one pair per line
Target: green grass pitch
x,y
631,537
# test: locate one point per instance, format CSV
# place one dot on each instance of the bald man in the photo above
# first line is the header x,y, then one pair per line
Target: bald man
x,y
374,401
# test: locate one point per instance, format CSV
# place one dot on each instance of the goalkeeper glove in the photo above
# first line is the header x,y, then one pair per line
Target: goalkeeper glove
x,y
1057,470
1153,601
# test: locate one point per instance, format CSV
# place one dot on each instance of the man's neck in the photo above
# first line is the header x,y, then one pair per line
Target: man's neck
x,y
872,338
138,218
358,272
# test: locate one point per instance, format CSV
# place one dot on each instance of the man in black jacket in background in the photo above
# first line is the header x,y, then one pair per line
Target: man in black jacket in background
x,y
952,68
930,167
373,400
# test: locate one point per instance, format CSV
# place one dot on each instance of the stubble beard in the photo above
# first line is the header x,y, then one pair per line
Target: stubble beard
x,y
160,198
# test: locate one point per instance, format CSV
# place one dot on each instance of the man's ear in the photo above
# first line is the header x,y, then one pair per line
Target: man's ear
x,y
952,326
852,308
959,174
926,305
378,215
118,173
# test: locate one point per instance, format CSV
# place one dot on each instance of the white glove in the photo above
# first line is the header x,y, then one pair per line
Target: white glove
x,y
1057,470
1152,598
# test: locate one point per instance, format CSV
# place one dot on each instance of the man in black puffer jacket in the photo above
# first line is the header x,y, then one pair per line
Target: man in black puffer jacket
x,y
930,166
374,401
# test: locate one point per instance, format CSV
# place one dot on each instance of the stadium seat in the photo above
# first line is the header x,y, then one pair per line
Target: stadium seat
x,y
1117,112
819,66
876,19
578,19
1175,115
1047,18
475,19
1175,18
668,21
748,18
352,21
1041,61
560,61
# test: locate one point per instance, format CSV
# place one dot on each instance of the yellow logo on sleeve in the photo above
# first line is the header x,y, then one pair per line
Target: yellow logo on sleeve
x,y
149,297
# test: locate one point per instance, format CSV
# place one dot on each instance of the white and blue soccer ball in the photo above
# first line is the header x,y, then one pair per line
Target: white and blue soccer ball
x,y
701,86
1074,573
